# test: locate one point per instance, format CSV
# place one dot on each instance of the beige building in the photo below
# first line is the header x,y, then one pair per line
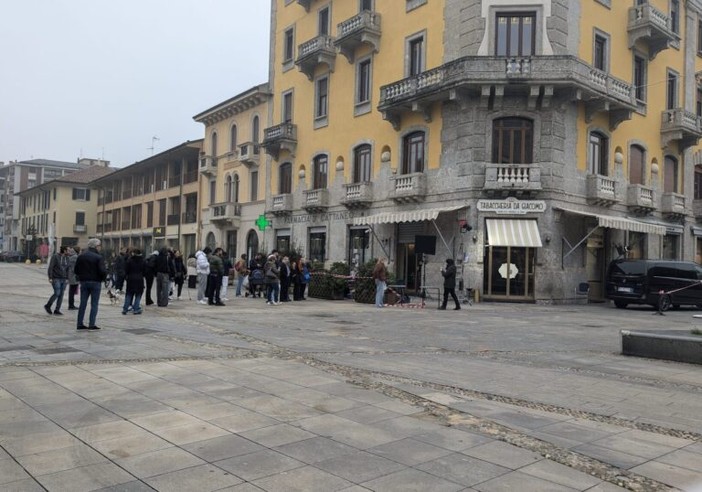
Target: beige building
x,y
233,177
151,203
59,212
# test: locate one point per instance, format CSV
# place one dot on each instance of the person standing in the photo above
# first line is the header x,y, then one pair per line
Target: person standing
x,y
380,275
58,278
118,268
135,268
215,282
285,273
163,277
91,272
449,274
149,275
225,277
180,272
272,281
203,273
72,280
241,273
192,272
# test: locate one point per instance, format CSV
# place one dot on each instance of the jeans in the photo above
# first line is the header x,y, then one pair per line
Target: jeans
x,y
239,284
133,300
89,290
59,285
201,286
162,286
379,293
273,292
225,287
72,291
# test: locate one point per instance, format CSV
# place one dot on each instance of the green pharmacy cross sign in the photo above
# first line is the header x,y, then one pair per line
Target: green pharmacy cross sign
x,y
262,222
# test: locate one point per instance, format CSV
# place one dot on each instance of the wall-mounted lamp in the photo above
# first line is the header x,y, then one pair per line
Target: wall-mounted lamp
x,y
547,238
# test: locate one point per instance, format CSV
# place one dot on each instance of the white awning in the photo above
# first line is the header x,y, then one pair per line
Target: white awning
x,y
513,232
408,216
612,222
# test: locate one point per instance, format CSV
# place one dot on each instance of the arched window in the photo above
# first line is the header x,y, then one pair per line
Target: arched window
x,y
698,182
211,241
598,154
637,159
670,175
229,189
255,130
285,178
232,138
251,244
413,153
362,164
235,191
512,141
214,144
321,169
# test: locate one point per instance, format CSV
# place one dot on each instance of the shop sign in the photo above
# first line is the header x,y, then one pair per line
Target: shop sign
x,y
159,232
512,206
323,217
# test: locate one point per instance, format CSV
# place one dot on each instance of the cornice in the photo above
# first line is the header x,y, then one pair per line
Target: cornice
x,y
236,105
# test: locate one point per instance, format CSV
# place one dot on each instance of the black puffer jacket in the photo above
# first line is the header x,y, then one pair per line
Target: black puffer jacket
x,y
90,266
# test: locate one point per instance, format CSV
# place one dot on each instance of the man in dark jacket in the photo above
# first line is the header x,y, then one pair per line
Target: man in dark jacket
x,y
215,281
58,277
149,274
449,274
91,272
119,268
163,277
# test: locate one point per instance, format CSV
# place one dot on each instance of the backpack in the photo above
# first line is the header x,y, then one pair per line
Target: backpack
x,y
257,275
239,266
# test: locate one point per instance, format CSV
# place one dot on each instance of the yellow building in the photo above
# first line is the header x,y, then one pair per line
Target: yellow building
x,y
60,212
233,175
532,140
151,203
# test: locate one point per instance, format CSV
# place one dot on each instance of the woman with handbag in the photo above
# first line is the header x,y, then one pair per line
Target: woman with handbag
x,y
180,271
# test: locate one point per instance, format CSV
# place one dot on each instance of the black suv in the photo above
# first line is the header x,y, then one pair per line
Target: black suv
x,y
644,282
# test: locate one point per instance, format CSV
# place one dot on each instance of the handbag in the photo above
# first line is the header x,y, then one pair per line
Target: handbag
x,y
245,282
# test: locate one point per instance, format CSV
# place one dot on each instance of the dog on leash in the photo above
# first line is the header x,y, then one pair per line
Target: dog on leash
x,y
114,296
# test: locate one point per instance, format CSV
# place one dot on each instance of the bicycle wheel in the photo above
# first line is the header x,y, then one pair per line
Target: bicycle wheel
x,y
664,302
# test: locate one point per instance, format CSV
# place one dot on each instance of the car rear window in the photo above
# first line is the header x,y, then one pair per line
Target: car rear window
x,y
628,268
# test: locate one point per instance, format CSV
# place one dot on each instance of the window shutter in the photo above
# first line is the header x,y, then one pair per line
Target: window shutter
x,y
87,195
75,193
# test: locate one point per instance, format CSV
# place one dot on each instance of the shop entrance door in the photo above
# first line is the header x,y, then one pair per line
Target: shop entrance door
x,y
509,273
408,267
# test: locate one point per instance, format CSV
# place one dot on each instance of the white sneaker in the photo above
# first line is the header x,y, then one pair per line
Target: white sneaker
x,y
202,302
224,299
268,302
178,298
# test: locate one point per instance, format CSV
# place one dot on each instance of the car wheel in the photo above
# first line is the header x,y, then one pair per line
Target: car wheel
x,y
621,304
664,302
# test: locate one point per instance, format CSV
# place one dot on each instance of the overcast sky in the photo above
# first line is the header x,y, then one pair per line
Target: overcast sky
x,y
99,79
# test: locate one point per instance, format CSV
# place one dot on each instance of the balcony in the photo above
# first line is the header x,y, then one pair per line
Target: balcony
x,y
408,188
305,3
358,195
314,52
673,204
360,29
488,79
681,126
189,217
249,153
208,164
650,25
280,137
640,198
80,228
225,214
512,179
173,219
602,190
316,200
281,204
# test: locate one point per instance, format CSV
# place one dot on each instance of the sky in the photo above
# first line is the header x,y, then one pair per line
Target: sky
x,y
100,79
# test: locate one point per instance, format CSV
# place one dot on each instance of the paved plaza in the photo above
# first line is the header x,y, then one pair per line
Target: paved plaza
x,y
338,396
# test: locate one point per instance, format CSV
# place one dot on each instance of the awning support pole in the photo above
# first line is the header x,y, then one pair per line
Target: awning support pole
x,y
442,239
380,243
573,248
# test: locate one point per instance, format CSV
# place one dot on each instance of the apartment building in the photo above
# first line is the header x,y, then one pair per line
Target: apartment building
x,y
17,176
60,212
233,174
151,203
532,140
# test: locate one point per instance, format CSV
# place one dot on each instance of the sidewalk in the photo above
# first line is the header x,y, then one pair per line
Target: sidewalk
x,y
321,395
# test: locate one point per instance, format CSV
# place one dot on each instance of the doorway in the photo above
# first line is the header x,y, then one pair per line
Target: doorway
x,y
408,270
509,273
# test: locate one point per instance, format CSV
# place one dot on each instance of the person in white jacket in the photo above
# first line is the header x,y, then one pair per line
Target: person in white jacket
x,y
203,272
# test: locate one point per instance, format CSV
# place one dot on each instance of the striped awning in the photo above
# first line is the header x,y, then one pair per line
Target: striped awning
x,y
621,223
513,232
406,216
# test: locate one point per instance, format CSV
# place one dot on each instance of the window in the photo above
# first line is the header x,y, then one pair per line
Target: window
x,y
672,91
675,16
282,241
640,78
413,153
80,218
251,244
288,45
366,5
254,186
362,164
214,146
255,130
512,141
285,178
599,56
213,191
235,198
363,81
150,214
287,107
670,175
515,34
320,171
323,18
81,194
232,139
318,244
699,37
698,183
598,155
162,212
416,56
322,90
698,102
359,246
229,189
637,156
